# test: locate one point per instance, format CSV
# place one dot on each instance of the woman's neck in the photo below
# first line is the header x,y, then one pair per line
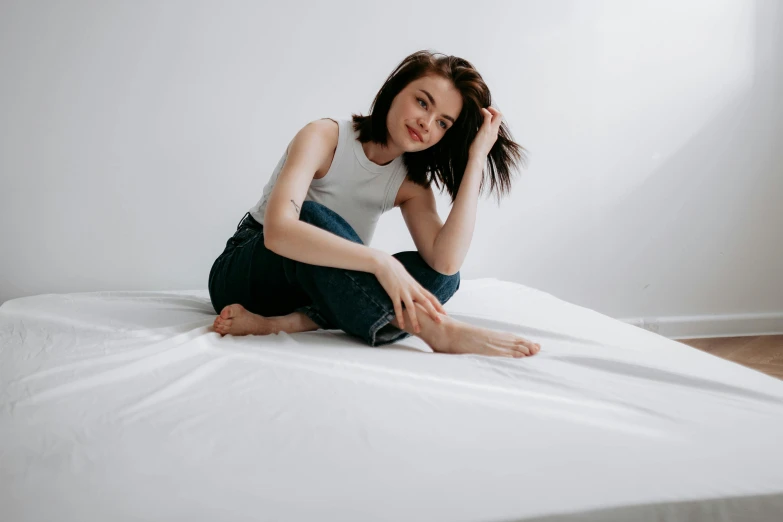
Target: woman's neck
x,y
379,154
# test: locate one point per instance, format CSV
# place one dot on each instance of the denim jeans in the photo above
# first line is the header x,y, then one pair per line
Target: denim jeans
x,y
271,285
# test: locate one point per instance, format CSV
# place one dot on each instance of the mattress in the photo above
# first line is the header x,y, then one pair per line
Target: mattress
x,y
128,406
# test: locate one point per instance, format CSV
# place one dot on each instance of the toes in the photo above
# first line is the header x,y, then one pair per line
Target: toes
x,y
222,325
231,311
528,347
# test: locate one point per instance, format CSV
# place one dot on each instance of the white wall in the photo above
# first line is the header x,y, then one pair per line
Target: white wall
x,y
134,136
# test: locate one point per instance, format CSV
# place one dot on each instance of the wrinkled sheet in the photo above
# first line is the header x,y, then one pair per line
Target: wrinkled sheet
x,y
128,406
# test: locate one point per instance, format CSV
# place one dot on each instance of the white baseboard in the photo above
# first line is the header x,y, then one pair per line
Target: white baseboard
x,y
704,326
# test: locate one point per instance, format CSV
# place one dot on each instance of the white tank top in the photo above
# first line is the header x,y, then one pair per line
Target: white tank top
x,y
354,187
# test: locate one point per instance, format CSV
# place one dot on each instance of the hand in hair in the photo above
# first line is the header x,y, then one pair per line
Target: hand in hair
x,y
487,134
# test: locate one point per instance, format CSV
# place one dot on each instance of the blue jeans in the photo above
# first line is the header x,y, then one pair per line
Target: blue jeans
x,y
271,285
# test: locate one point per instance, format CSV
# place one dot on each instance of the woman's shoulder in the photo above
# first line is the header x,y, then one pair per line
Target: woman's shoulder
x,y
331,124
329,130
327,127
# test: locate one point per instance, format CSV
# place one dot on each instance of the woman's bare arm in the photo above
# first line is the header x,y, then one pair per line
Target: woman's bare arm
x,y
289,237
453,241
309,244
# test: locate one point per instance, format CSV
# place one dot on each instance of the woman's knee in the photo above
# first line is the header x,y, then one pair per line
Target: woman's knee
x,y
323,217
450,285
443,286
312,212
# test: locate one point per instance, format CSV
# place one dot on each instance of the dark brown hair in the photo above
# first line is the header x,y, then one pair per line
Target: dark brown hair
x,y
446,161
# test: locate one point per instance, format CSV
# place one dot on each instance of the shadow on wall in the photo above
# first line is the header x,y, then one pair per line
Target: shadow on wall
x,y
713,198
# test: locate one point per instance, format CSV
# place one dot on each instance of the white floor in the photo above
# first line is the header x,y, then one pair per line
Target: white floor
x,y
127,406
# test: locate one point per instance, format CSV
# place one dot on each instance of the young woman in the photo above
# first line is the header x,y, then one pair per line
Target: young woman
x,y
300,259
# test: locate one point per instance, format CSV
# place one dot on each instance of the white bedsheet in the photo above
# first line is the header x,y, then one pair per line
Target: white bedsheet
x,y
120,406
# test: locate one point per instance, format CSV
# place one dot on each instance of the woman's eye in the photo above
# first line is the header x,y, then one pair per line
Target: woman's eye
x,y
444,126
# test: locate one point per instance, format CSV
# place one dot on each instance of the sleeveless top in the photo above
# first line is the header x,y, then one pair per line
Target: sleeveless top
x,y
354,187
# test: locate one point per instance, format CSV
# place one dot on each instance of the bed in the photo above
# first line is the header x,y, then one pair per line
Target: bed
x,y
120,406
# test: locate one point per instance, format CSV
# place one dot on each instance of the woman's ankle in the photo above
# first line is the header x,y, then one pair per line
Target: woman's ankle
x,y
434,333
299,322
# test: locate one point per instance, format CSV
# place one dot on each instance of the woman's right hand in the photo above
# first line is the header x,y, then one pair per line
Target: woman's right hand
x,y
403,288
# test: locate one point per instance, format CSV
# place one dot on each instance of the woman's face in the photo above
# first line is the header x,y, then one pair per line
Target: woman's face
x,y
431,116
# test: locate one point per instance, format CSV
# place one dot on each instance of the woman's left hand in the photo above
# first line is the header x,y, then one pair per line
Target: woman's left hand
x,y
487,134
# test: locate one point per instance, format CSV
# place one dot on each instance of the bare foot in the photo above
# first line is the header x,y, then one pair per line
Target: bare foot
x,y
234,319
452,336
465,338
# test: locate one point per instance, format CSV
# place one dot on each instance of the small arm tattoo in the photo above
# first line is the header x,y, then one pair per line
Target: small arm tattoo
x,y
295,206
